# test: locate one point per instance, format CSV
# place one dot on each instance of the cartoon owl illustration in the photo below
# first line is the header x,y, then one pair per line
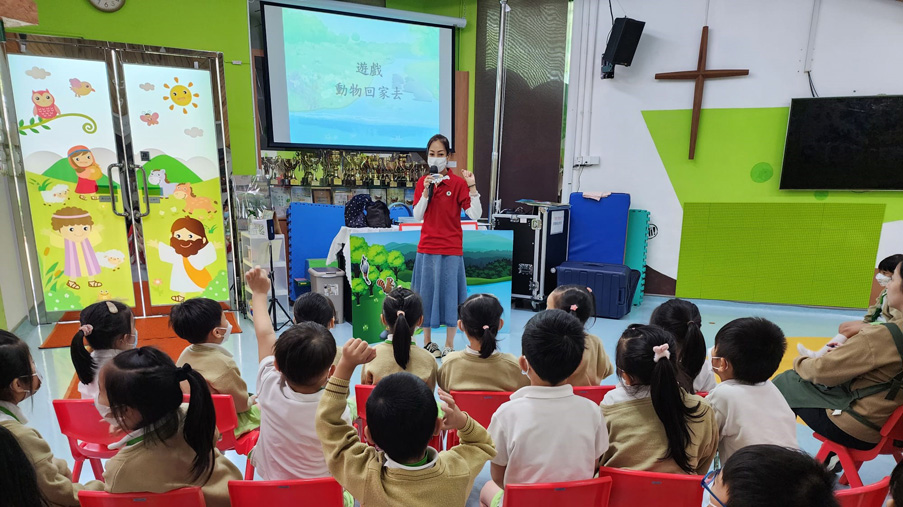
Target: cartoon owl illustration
x,y
44,104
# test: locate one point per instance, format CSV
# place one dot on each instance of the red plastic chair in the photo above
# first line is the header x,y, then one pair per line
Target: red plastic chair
x,y
851,459
226,422
324,492
184,497
593,393
480,405
633,487
88,434
589,493
361,394
872,495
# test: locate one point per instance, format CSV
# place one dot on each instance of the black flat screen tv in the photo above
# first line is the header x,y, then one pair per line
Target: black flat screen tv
x,y
844,143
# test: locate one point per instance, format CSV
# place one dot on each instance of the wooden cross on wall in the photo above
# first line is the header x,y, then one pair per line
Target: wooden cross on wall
x,y
700,75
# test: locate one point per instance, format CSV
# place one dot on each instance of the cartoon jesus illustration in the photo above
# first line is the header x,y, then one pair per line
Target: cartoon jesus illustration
x,y
190,253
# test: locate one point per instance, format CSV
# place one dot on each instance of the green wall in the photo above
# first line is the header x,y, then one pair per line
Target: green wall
x,y
212,25
465,42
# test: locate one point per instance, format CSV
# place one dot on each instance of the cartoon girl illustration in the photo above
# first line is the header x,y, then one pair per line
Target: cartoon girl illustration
x,y
82,160
74,231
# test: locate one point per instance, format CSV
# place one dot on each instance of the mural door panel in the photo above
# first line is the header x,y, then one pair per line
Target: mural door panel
x,y
66,129
173,126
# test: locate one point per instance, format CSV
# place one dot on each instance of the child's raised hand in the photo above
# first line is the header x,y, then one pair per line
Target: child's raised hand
x,y
357,351
454,418
257,280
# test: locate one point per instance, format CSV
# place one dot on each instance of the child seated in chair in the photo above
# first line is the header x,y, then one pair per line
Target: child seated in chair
x,y
481,366
546,433
748,407
402,315
402,417
653,423
290,380
579,302
202,323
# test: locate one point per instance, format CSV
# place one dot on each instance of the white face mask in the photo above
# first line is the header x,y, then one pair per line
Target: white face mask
x,y
439,162
228,329
106,413
134,342
883,280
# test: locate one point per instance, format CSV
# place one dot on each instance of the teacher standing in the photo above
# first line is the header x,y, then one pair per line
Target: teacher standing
x,y
439,268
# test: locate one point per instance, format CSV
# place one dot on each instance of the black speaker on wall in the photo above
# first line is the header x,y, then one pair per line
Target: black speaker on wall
x,y
622,44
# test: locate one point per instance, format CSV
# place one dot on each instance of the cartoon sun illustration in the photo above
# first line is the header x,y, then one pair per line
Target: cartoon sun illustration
x,y
180,95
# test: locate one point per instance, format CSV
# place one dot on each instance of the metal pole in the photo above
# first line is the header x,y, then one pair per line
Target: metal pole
x,y
495,203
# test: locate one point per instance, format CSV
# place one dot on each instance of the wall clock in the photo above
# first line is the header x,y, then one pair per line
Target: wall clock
x,y
108,5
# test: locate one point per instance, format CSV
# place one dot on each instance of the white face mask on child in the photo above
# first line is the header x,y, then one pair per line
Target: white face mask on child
x,y
882,279
106,413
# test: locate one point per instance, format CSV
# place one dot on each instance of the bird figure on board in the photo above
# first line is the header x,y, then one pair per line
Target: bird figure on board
x,y
81,88
44,104
365,269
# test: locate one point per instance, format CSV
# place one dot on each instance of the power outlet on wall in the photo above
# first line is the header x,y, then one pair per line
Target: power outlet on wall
x,y
587,161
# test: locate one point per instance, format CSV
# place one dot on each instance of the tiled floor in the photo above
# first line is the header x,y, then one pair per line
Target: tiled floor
x,y
57,368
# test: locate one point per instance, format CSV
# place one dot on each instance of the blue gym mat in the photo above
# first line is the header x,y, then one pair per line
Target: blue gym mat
x,y
598,228
311,229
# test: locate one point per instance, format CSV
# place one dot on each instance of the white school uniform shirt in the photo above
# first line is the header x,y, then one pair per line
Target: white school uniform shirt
x,y
288,447
705,380
751,414
548,434
100,357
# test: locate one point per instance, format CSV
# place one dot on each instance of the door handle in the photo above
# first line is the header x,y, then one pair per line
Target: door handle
x,y
137,168
113,187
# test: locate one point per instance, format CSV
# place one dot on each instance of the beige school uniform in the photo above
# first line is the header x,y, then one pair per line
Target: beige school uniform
x,y
637,439
375,480
54,477
868,358
881,309
421,363
218,368
159,467
467,371
595,365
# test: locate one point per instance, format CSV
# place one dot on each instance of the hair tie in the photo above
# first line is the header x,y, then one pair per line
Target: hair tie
x,y
692,322
660,352
573,308
485,328
86,329
112,307
400,313
182,373
589,289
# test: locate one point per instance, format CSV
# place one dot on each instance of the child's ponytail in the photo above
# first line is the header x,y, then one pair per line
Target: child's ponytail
x,y
402,311
101,325
481,317
646,354
682,319
200,422
81,358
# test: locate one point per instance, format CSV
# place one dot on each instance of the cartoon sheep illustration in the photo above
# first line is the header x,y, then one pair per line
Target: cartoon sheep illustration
x,y
111,259
56,195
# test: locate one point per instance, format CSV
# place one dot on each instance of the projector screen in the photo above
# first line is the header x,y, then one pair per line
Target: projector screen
x,y
339,80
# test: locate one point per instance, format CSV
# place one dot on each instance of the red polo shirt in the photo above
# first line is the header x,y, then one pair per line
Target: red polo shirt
x,y
441,233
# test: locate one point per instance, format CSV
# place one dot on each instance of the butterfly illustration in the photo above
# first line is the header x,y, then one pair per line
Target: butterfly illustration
x,y
387,284
150,118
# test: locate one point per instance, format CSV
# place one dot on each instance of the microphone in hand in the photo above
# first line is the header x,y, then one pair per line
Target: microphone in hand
x,y
434,171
